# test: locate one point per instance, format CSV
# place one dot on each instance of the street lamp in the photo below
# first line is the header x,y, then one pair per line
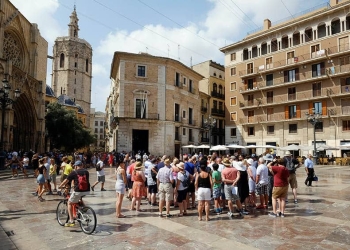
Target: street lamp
x,y
314,118
209,124
5,101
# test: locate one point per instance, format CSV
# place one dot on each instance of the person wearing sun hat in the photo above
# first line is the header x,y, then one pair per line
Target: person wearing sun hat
x,y
292,165
165,180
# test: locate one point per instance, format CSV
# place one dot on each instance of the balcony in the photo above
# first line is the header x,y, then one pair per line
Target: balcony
x,y
204,109
204,140
133,115
218,95
178,84
218,112
177,118
218,131
339,111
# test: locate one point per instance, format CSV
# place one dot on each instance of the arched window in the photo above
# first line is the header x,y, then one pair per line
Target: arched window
x,y
87,65
215,87
220,89
62,60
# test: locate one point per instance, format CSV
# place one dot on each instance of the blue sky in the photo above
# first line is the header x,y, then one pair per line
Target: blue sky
x,y
196,31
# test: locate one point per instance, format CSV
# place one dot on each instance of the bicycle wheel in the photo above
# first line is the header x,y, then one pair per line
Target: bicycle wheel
x,y
87,220
62,215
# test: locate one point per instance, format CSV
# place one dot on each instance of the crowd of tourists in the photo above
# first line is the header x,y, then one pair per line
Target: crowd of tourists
x,y
235,183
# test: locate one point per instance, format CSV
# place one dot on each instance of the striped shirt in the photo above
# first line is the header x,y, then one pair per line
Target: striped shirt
x,y
165,175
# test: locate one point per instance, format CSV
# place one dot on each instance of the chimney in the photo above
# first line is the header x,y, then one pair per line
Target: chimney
x,y
267,24
333,2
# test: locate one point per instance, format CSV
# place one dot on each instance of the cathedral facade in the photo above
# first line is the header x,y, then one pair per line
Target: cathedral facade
x,y
23,65
71,67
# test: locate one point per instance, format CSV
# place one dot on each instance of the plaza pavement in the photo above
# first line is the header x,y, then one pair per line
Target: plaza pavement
x,y
319,221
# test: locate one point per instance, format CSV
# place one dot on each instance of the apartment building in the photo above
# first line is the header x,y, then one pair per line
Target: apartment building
x,y
154,104
276,75
98,127
212,90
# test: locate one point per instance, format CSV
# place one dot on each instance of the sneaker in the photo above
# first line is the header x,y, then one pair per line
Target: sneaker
x,y
245,212
220,210
35,194
272,214
230,214
282,215
241,214
69,224
169,215
92,188
103,189
295,201
55,190
217,211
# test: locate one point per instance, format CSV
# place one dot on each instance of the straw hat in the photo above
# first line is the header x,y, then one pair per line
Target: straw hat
x,y
287,153
181,166
138,165
226,162
167,162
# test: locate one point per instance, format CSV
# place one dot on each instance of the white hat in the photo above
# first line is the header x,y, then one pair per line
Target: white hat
x,y
287,153
250,161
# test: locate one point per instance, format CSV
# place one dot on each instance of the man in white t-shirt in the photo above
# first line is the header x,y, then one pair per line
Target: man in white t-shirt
x,y
262,184
100,175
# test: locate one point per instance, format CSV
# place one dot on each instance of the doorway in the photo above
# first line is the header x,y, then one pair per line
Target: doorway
x,y
177,151
140,141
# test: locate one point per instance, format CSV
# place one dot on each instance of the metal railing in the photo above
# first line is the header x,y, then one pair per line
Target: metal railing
x,y
133,115
218,95
218,112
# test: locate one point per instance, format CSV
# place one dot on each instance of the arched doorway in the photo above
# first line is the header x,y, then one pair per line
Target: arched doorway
x,y
24,126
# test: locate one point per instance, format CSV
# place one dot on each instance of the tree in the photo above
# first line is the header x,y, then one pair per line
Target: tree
x,y
65,129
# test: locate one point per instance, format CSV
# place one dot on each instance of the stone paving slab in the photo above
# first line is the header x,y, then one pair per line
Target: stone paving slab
x,y
320,220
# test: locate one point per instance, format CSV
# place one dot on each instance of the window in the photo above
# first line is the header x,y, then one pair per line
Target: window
x,y
184,131
291,75
96,130
62,60
308,35
292,111
269,80
269,114
317,107
264,49
101,130
269,97
250,100
190,116
344,60
141,71
274,46
285,42
177,112
270,130
101,123
221,106
75,64
250,83
233,71
318,69
190,87
245,54
190,135
314,50
343,44
184,82
96,123
233,116
293,128
251,131
319,127
250,68
316,89
345,85
269,64
74,91
290,57
251,116
233,132
233,101
233,56
101,137
254,51
346,125
215,104
233,86
87,65
215,87
177,133
140,108
292,94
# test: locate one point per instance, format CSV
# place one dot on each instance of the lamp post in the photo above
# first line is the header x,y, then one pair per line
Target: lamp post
x,y
314,118
209,124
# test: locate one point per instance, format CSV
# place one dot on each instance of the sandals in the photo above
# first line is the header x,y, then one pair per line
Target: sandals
x,y
180,215
41,199
121,216
141,210
184,213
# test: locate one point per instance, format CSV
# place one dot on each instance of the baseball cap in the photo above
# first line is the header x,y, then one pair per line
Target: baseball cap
x,y
78,163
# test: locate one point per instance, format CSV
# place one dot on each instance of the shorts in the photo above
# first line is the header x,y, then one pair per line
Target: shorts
x,y
292,180
191,188
181,195
166,192
101,178
53,178
279,192
228,194
217,193
25,167
252,186
14,166
75,197
204,194
262,189
40,179
152,189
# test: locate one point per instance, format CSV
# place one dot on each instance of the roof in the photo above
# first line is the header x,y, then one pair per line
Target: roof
x,y
65,100
75,39
80,109
49,91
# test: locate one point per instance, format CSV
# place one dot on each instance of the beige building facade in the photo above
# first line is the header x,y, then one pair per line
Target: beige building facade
x,y
98,127
23,63
213,86
72,68
154,105
275,76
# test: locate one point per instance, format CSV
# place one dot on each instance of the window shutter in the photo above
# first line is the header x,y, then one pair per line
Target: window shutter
x,y
286,76
297,74
286,112
298,111
311,106
324,107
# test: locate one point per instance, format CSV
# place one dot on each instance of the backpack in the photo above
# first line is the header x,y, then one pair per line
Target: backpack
x,y
186,181
83,184
290,165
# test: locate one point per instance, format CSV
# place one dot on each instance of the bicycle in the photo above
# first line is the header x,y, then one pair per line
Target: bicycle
x,y
85,215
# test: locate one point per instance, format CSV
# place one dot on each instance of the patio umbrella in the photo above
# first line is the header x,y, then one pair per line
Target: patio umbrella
x,y
203,146
219,148
189,146
292,147
235,146
260,146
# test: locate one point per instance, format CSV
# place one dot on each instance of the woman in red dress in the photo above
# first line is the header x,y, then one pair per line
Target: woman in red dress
x,y
138,188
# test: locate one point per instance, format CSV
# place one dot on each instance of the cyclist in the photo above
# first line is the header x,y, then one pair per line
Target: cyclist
x,y
77,194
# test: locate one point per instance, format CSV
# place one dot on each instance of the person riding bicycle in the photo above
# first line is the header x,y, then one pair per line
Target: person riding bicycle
x,y
78,193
